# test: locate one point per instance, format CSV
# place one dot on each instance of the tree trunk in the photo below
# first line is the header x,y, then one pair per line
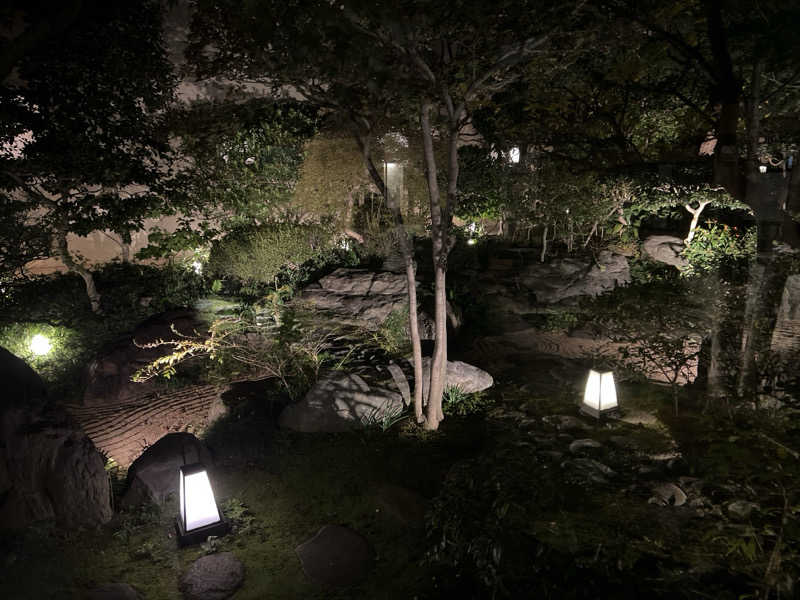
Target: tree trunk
x,y
726,154
544,244
407,250
764,293
439,255
695,212
75,267
717,372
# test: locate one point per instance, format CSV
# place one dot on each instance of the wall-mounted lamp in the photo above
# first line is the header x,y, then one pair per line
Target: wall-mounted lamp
x,y
200,515
600,395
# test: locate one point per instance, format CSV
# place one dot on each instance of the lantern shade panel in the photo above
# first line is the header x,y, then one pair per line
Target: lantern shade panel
x,y
600,394
199,514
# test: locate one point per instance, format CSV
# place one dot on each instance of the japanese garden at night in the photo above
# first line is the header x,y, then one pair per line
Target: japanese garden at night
x,y
345,299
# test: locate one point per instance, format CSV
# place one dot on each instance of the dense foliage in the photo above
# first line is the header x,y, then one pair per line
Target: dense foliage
x,y
257,254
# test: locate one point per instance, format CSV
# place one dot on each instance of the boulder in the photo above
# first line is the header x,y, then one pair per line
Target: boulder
x,y
49,469
369,311
581,446
362,282
567,278
213,577
359,295
336,557
154,475
459,374
566,423
666,249
668,494
108,377
340,402
114,591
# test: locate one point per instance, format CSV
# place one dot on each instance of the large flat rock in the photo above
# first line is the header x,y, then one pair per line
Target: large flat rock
x,y
336,556
340,402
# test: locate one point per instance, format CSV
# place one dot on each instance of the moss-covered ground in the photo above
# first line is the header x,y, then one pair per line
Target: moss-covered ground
x,y
504,518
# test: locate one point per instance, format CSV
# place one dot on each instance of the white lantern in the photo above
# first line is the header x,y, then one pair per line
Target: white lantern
x,y
762,169
600,396
199,515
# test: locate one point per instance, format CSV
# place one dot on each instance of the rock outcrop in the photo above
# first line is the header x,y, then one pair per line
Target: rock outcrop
x,y
359,295
567,278
467,378
666,249
153,477
49,469
340,402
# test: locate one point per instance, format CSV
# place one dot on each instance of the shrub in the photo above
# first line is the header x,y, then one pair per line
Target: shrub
x,y
719,246
257,254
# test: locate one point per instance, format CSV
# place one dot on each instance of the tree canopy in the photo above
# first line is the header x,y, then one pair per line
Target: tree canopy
x,y
84,128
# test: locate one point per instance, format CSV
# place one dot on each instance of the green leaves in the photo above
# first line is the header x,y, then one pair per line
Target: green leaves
x,y
718,246
258,253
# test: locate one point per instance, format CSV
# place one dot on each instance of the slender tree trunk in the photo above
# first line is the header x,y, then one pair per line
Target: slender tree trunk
x,y
717,388
695,212
544,244
60,243
407,250
439,362
726,153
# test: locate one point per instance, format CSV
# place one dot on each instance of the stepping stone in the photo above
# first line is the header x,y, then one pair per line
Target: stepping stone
x,y
579,446
213,577
336,557
668,494
565,423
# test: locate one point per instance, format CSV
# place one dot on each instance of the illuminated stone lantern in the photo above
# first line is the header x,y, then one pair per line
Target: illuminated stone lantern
x,y
200,515
600,396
